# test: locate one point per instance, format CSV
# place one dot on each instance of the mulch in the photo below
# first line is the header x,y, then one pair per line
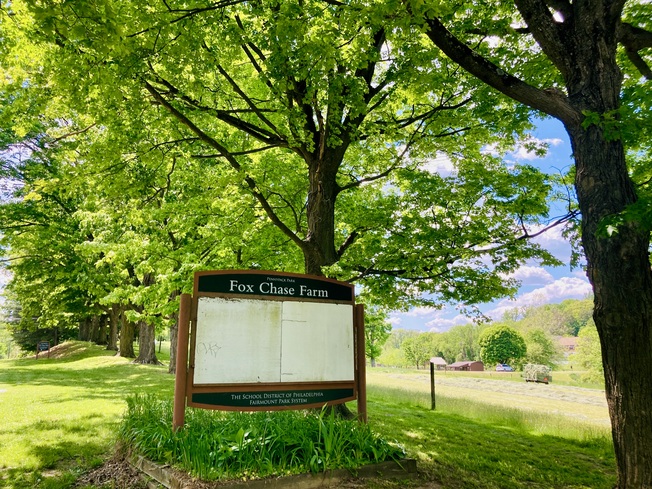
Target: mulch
x,y
116,473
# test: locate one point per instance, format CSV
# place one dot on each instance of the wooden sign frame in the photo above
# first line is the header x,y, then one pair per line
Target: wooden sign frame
x,y
262,340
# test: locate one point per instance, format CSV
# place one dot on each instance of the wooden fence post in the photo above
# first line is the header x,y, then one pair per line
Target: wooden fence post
x,y
179,412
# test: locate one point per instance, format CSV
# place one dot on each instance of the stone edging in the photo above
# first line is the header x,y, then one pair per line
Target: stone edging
x,y
172,479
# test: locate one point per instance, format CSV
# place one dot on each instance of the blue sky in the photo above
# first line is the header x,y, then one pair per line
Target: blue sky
x,y
539,285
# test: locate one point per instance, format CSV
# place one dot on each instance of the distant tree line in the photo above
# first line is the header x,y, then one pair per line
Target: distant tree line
x,y
538,328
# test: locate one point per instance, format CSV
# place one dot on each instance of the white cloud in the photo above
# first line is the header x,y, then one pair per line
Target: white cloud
x,y
557,291
553,241
422,311
529,275
551,236
581,274
427,319
491,149
524,148
441,164
394,320
441,324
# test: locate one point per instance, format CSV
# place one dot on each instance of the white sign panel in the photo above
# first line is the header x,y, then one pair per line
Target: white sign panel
x,y
253,341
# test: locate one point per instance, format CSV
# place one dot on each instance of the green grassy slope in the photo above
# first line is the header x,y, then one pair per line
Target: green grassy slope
x,y
58,418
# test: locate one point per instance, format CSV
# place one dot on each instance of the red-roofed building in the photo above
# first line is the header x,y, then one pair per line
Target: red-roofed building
x,y
468,366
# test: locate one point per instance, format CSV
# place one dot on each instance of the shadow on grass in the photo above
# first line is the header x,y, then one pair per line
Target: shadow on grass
x,y
60,442
102,382
462,453
67,352
59,465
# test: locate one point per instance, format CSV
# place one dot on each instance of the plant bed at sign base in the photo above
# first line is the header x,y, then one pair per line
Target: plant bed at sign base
x,y
172,479
238,446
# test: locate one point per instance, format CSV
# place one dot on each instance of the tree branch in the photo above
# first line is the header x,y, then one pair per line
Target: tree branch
x,y
414,118
634,39
257,132
356,183
235,153
74,133
550,102
251,184
247,100
347,243
297,220
548,33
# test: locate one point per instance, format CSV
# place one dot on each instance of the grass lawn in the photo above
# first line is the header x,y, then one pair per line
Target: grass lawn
x,y
60,416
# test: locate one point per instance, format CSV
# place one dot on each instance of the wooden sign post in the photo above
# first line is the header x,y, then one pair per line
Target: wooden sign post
x,y
432,386
43,346
269,341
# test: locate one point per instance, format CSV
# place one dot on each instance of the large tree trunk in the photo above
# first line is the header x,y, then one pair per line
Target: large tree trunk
x,y
101,333
319,249
127,333
95,327
619,270
146,332
618,259
146,344
85,329
115,317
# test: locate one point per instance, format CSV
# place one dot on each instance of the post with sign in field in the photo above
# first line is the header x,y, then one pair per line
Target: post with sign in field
x,y
269,341
43,346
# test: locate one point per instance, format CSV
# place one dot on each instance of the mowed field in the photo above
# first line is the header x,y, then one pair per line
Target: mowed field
x,y
501,389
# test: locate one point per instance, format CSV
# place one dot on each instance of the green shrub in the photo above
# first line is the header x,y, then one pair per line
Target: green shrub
x,y
226,445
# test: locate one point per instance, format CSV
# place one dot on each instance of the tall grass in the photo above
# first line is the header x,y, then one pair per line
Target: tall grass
x,y
468,444
534,422
226,445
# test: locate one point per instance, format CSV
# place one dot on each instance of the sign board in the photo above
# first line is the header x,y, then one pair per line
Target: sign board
x,y
269,340
261,341
42,346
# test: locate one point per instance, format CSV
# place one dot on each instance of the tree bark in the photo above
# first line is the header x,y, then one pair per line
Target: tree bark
x,y
146,344
319,249
127,333
619,271
102,330
618,263
85,329
115,317
319,245
94,328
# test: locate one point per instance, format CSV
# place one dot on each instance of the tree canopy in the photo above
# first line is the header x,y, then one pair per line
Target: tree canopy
x,y
212,137
502,344
307,107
